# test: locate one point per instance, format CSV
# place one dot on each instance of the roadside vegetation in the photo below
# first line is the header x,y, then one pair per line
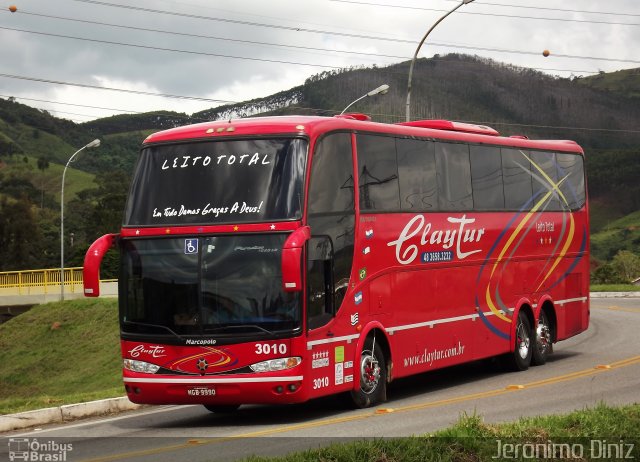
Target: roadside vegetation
x,y
583,433
614,288
60,353
615,246
621,271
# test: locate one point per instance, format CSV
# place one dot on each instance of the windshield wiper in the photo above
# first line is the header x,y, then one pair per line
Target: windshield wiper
x,y
155,325
241,326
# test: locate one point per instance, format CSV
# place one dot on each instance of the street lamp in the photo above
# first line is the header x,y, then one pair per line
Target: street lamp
x,y
94,144
381,90
413,61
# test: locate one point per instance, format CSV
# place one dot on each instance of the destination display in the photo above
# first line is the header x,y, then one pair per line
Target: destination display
x,y
218,182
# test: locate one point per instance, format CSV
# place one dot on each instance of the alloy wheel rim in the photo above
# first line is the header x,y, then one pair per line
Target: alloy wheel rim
x,y
369,373
523,341
543,334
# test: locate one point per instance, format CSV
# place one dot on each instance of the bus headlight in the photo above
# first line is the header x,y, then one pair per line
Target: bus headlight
x,y
140,366
279,364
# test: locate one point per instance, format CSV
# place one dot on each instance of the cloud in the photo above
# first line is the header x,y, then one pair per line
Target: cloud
x,y
236,56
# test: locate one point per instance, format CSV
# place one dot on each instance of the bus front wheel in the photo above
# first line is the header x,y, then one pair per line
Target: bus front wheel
x,y
373,376
222,408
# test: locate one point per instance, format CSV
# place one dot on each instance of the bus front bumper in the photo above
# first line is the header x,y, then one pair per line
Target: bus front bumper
x,y
231,389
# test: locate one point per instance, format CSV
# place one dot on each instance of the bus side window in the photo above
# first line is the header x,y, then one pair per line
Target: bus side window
x,y
417,173
486,178
331,217
516,173
571,166
453,176
545,181
378,174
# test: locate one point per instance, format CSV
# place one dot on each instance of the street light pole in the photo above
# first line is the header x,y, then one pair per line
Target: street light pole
x,y
381,90
415,56
94,144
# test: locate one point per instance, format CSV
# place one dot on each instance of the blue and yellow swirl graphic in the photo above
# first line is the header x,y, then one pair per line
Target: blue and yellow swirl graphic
x,y
504,248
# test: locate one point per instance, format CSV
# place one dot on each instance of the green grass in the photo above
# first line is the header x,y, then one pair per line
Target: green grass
x,y
37,143
614,288
473,440
625,82
621,234
601,215
75,181
50,179
80,361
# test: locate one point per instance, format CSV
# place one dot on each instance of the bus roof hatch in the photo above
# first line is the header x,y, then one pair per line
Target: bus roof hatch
x,y
452,126
354,116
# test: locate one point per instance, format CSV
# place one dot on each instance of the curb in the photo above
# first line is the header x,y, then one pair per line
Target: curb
x,y
614,294
65,413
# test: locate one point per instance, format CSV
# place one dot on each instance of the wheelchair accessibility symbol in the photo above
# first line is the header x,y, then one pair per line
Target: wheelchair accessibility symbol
x,y
190,246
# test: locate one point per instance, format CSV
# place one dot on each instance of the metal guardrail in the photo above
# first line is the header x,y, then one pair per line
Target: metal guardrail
x,y
41,281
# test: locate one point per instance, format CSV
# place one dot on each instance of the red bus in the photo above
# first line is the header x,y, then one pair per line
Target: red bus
x,y
275,260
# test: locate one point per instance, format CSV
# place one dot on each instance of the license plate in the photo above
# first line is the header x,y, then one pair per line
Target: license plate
x,y
201,391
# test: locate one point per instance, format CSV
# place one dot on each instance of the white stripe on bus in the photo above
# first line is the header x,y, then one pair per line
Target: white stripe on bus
x,y
431,323
196,381
348,338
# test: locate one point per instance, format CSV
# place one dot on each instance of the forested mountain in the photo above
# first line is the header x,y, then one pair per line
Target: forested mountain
x,y
601,112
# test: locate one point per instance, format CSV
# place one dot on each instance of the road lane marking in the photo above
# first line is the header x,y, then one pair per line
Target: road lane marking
x,y
373,413
584,373
617,308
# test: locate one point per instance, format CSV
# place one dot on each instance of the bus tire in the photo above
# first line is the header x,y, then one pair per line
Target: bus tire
x,y
372,368
543,344
520,357
222,408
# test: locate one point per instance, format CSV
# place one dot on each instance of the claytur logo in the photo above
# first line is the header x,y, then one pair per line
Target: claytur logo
x,y
463,240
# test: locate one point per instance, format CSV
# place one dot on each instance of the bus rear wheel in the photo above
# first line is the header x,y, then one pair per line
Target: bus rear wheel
x,y
543,346
520,357
372,369
222,408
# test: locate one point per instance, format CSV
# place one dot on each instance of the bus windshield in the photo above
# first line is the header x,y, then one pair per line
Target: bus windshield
x,y
221,286
221,181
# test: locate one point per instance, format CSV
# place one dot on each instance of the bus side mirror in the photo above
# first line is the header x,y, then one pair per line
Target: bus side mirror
x,y
292,259
92,260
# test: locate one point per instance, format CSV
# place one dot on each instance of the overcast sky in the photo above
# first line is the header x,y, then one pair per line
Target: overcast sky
x,y
243,49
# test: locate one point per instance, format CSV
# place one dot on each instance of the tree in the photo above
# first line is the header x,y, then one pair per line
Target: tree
x,y
43,163
96,212
627,265
8,147
606,274
20,240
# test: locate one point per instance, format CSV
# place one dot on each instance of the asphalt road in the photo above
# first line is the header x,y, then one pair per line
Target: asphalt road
x,y
600,365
